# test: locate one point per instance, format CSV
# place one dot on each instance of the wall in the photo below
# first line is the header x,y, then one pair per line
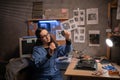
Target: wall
x,y
15,13
13,17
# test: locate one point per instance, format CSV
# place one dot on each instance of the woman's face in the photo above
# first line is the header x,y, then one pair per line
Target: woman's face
x,y
45,36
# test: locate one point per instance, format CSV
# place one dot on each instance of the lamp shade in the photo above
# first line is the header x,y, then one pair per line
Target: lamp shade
x,y
113,41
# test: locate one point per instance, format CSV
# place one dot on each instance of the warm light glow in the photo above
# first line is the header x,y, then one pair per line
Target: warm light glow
x,y
109,42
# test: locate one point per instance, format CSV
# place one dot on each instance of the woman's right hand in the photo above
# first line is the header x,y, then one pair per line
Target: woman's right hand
x,y
52,47
66,34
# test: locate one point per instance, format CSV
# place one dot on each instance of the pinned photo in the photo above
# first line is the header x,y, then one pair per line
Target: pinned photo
x,y
79,35
65,25
59,35
94,38
92,16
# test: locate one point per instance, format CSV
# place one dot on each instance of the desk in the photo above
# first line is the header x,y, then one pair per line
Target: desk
x,y
76,74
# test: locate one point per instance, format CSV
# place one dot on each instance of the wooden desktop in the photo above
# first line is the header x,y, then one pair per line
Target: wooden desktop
x,y
76,74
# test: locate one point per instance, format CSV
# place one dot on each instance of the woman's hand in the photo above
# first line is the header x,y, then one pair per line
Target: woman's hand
x,y
66,34
52,47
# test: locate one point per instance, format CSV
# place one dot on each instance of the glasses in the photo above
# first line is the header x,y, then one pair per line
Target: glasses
x,y
44,36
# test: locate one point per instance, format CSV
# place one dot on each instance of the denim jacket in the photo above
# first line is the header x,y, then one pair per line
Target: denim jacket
x,y
48,66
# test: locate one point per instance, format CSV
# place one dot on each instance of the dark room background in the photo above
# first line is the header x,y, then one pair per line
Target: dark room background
x,y
15,13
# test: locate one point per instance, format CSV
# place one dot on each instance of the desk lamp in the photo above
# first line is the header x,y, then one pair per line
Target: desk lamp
x,y
113,41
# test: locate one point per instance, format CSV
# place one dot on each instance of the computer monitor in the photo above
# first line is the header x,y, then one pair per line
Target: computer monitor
x,y
50,25
26,45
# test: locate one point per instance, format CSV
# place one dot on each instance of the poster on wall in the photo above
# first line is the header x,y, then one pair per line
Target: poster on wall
x,y
94,38
79,35
72,24
79,16
82,17
76,12
92,16
59,35
76,35
76,16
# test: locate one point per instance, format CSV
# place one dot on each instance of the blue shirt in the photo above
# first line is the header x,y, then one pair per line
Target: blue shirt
x,y
48,66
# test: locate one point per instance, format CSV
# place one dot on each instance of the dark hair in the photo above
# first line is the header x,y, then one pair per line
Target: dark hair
x,y
38,31
38,41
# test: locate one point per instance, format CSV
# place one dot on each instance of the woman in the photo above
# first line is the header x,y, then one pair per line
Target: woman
x,y
45,54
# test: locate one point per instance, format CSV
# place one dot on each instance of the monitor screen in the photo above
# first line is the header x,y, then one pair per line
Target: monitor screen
x,y
50,25
26,45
